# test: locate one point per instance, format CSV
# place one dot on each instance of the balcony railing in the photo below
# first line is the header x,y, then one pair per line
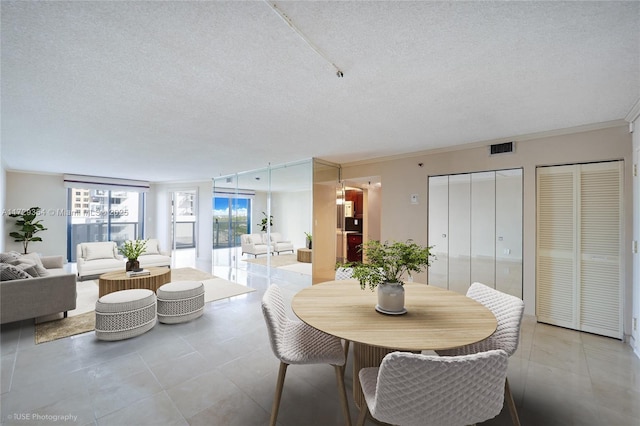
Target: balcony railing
x,y
122,231
227,234
90,232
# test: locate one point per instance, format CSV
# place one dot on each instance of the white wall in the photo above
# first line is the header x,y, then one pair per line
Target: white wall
x,y
403,176
3,193
292,215
26,190
372,222
159,215
634,341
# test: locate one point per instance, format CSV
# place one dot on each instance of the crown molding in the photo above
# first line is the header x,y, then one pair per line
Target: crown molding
x,y
479,144
33,172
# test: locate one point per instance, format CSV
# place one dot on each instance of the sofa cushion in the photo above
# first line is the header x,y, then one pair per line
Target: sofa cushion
x,y
275,237
52,262
11,272
152,247
99,251
255,239
154,260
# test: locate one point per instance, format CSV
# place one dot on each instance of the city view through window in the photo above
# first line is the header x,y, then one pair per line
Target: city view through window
x,y
230,220
103,215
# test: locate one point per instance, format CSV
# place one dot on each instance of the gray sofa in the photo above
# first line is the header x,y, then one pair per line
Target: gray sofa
x,y
38,296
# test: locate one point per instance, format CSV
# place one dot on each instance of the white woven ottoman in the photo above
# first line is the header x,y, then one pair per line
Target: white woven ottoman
x,y
124,314
180,301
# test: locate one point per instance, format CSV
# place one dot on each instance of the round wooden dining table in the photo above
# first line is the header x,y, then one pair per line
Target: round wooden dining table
x,y
435,319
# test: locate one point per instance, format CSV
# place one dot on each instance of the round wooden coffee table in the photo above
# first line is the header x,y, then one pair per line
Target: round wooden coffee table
x,y
116,281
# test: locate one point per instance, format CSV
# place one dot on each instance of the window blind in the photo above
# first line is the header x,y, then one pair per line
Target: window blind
x,y
96,182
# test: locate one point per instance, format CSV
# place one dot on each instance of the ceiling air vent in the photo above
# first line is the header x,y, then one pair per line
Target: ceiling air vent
x,y
501,148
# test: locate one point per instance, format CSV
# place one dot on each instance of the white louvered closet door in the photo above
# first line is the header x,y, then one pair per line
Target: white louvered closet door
x,y
556,255
579,232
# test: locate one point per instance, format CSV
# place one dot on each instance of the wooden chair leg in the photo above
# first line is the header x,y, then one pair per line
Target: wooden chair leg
x,y
362,417
346,355
512,406
342,391
276,400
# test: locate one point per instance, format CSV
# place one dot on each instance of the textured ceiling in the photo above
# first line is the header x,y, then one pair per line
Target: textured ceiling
x,y
166,91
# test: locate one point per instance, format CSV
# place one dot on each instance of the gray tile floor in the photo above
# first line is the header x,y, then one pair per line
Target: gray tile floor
x,y
219,370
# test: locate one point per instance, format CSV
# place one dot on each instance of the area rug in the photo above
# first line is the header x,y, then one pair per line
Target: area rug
x,y
276,261
70,326
219,288
83,318
299,267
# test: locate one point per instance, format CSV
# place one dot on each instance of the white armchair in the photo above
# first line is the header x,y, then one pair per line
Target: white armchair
x,y
253,244
96,258
153,256
279,244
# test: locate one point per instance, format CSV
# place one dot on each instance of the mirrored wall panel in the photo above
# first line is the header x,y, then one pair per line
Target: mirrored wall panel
x,y
261,218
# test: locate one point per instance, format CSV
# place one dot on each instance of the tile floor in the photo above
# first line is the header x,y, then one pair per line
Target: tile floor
x,y
219,370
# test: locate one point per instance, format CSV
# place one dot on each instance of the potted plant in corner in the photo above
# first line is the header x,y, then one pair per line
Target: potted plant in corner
x,y
132,250
386,266
29,226
309,238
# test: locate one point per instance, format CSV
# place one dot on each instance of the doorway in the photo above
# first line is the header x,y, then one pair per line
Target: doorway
x,y
184,228
358,218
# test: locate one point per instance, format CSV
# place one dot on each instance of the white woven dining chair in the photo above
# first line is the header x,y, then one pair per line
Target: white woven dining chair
x,y
428,390
508,310
294,342
344,273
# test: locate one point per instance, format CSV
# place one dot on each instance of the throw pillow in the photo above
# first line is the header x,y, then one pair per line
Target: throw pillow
x,y
27,265
35,258
12,272
9,256
99,251
152,247
29,269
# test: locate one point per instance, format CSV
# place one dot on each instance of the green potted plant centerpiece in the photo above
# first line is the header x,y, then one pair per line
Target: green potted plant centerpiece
x,y
387,264
29,226
132,250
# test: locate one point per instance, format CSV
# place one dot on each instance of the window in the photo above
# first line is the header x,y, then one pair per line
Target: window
x,y
111,216
230,220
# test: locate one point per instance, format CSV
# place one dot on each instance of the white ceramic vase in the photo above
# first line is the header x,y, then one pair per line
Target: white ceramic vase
x,y
391,298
